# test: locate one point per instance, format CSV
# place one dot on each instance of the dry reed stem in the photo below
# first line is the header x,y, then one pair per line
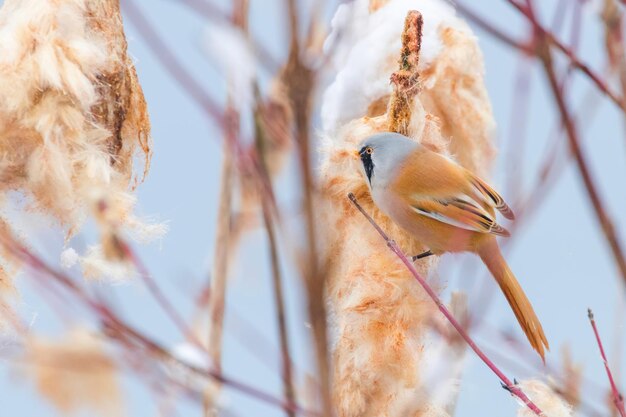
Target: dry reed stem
x,y
618,400
249,168
219,274
223,249
406,79
299,81
271,117
286,364
287,372
249,174
512,388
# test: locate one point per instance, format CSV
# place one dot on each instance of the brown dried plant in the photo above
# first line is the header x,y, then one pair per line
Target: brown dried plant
x,y
72,114
74,373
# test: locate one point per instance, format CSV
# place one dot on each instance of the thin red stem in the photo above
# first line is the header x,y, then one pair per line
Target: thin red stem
x,y
617,397
513,389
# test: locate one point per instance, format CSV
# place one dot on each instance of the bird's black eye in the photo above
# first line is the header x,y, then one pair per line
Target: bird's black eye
x,y
369,150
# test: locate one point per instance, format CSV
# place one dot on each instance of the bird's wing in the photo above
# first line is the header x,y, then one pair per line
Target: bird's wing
x,y
489,196
438,176
443,190
461,211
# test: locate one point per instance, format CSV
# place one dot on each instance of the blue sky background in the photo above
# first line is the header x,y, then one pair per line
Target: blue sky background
x,y
560,255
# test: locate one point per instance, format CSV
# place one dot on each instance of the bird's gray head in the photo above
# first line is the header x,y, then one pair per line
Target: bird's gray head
x,y
383,153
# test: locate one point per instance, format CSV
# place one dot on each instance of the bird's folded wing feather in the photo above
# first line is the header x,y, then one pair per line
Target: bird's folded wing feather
x,y
490,196
447,192
460,212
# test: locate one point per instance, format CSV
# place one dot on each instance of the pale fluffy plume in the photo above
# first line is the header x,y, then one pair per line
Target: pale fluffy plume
x,y
72,113
379,314
545,398
95,264
75,373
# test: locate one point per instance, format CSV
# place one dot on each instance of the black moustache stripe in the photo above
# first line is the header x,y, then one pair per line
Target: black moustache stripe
x,y
368,165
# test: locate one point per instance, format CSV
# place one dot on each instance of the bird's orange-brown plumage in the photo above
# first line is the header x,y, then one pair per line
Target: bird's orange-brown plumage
x,y
450,209
523,310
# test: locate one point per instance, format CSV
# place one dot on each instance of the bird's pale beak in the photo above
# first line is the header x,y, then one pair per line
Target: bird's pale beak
x,y
357,154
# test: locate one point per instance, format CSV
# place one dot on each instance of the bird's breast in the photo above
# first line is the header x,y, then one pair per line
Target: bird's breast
x,y
395,208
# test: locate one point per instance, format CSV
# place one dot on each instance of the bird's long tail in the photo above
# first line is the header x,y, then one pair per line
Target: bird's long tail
x,y
491,256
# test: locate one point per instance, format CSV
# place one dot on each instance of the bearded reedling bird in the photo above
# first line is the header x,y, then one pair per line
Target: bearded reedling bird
x,y
448,209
